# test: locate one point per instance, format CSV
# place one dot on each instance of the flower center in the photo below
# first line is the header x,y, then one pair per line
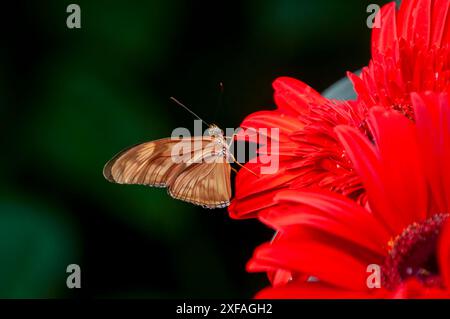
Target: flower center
x,y
413,254
406,110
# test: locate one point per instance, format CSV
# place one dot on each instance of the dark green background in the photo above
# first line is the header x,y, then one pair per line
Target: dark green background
x,y
70,99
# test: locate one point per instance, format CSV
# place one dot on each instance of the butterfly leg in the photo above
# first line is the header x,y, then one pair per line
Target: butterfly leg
x,y
231,139
242,166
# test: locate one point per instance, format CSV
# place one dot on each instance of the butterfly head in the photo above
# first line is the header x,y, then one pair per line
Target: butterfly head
x,y
214,131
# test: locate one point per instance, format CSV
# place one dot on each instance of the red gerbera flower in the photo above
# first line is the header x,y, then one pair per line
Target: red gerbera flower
x,y
405,229
410,53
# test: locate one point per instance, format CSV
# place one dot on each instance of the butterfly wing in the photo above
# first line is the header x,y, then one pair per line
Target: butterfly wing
x,y
201,177
205,184
150,163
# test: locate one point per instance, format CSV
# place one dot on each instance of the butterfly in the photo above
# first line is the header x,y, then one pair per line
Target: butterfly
x,y
195,169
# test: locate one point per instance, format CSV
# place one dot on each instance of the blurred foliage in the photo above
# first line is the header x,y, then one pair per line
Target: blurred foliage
x,y
36,245
289,23
71,99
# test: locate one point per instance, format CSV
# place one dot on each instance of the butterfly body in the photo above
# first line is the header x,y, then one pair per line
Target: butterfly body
x,y
194,169
223,148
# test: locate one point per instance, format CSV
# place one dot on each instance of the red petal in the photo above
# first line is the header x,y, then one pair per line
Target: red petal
x,y
361,88
404,180
433,127
439,22
248,184
315,290
444,254
405,18
256,123
422,23
444,142
277,276
295,97
384,39
413,289
367,163
249,206
330,213
322,261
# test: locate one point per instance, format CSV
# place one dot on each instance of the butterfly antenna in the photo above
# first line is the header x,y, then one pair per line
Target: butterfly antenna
x,y
187,109
246,168
242,166
219,100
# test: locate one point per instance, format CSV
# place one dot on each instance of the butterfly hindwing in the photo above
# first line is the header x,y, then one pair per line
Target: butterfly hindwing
x,y
206,183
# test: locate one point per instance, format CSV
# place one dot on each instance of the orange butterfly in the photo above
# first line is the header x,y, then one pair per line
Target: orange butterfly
x,y
195,169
